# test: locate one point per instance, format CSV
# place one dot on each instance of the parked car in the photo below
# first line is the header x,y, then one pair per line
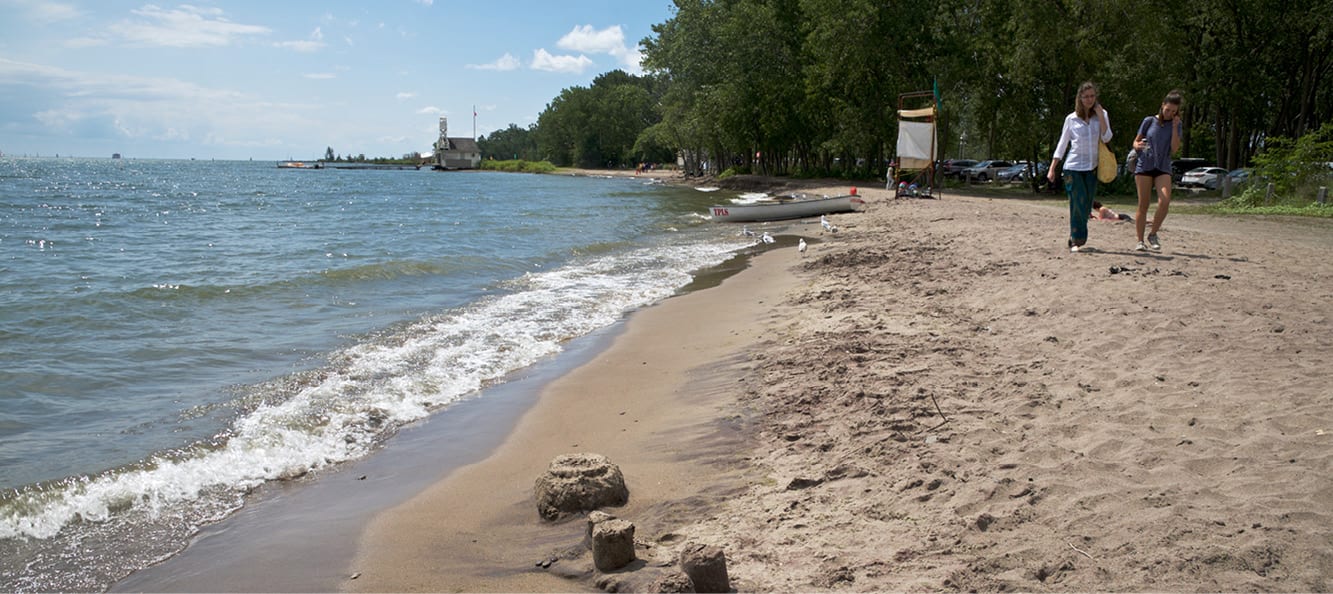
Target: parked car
x,y
1238,176
953,167
1015,173
1180,166
986,170
1204,177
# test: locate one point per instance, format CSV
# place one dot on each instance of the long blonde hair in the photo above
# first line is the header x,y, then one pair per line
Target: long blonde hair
x,y
1084,113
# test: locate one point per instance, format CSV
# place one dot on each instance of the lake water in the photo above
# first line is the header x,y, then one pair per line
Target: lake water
x,y
176,334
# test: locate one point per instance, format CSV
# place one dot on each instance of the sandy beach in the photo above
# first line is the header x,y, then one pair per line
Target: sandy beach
x,y
936,397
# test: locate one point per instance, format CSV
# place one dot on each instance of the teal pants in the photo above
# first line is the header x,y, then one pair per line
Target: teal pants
x,y
1082,189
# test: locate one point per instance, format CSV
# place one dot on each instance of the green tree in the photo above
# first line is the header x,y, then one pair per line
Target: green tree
x,y
511,143
688,53
598,126
1295,167
812,86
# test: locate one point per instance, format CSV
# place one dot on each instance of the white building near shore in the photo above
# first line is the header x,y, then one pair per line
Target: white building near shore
x,y
455,153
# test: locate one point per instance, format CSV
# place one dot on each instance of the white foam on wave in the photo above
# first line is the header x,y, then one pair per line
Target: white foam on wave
x,y
751,198
338,413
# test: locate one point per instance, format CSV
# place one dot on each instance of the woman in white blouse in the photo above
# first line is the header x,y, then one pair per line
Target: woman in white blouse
x,y
1083,129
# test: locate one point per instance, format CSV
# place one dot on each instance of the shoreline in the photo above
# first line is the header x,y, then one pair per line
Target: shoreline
x,y
643,402
938,397
313,525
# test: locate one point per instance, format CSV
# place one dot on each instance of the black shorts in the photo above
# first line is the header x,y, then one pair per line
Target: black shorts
x,y
1153,174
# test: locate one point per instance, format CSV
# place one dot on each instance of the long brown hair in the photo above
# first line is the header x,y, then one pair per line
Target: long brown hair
x,y
1084,113
1174,98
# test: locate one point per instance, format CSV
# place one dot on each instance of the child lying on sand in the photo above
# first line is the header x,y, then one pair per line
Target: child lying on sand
x,y
1103,213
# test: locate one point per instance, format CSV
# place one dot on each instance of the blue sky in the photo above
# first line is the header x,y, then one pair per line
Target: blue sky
x,y
282,79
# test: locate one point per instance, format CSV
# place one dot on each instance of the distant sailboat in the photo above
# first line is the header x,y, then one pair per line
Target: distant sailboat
x,y
115,155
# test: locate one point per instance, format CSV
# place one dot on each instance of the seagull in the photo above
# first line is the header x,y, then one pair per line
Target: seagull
x,y
768,238
745,231
823,220
801,246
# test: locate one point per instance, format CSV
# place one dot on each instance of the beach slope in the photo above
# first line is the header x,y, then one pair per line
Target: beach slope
x,y
940,397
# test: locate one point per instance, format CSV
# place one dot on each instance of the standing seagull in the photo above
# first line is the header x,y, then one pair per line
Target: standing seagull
x,y
823,220
801,246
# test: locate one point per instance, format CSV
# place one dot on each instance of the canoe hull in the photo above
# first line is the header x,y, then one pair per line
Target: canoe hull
x,y
777,211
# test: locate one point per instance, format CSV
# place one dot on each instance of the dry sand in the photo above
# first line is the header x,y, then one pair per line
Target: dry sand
x,y
939,397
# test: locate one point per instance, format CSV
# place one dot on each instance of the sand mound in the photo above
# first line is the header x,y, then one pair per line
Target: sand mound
x,y
953,401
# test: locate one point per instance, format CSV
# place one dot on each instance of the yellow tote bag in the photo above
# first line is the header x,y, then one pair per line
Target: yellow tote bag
x,y
1105,163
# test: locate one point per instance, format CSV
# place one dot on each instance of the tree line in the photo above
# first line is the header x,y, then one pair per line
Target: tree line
x,y
812,87
411,158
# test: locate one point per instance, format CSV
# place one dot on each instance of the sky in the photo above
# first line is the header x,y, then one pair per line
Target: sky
x,y
288,79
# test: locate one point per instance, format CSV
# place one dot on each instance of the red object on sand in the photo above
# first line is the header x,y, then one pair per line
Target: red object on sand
x,y
853,190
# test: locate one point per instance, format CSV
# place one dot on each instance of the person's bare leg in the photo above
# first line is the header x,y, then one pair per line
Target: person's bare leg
x,y
1163,202
1143,184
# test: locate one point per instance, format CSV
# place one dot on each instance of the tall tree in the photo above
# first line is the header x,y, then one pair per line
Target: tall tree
x,y
801,86
511,143
597,126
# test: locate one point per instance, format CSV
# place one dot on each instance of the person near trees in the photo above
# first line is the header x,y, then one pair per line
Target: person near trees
x,y
1157,140
1083,129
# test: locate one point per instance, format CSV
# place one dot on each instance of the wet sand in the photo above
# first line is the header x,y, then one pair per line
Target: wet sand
x,y
658,402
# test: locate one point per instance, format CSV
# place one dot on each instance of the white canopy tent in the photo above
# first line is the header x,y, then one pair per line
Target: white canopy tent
x,y
917,144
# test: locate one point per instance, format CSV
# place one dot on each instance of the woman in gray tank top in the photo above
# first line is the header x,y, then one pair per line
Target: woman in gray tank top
x,y
1157,140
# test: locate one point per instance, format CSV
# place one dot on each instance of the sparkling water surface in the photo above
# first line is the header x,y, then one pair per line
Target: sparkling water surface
x,y
175,333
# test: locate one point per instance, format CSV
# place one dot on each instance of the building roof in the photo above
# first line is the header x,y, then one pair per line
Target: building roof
x,y
466,145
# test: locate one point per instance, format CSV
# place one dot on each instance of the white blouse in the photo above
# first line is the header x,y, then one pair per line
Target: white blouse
x,y
1080,139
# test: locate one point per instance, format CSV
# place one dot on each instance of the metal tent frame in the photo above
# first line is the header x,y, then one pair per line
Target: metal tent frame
x,y
915,174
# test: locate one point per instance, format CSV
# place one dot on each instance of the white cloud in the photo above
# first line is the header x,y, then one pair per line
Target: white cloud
x,y
82,42
314,43
504,63
320,75
185,26
45,12
53,109
586,39
632,60
610,40
426,2
405,95
80,84
543,60
92,106
57,118
430,110
304,47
